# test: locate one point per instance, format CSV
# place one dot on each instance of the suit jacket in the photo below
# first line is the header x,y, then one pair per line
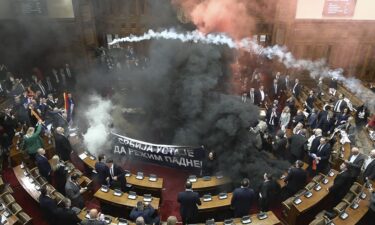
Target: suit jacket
x,y
370,171
279,147
48,207
268,193
103,172
298,145
341,107
296,180
253,99
341,184
147,214
120,174
241,201
275,93
63,147
355,167
43,165
72,191
188,205
310,102
66,217
298,119
92,222
324,154
296,90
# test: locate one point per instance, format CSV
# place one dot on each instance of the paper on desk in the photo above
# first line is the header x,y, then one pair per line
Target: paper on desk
x,y
83,156
3,219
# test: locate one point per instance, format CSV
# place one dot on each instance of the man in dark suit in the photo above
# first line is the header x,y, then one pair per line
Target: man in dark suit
x,y
117,177
321,156
340,105
74,191
299,118
295,180
268,192
62,144
189,201
296,90
275,90
279,145
146,211
102,170
242,199
355,162
94,218
298,146
341,184
47,204
369,173
285,83
310,101
65,215
43,165
260,96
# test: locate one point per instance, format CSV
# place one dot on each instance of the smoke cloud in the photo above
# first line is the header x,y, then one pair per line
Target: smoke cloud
x,y
98,116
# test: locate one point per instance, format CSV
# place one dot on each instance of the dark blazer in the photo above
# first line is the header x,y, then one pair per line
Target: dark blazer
x,y
324,154
279,147
48,207
295,180
92,222
341,185
121,179
343,105
268,191
241,201
275,93
66,217
188,205
296,90
355,167
253,99
298,145
310,102
72,191
60,176
370,171
147,214
43,166
63,147
103,172
315,144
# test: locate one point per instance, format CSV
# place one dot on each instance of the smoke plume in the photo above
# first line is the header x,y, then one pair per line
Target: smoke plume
x,y
98,115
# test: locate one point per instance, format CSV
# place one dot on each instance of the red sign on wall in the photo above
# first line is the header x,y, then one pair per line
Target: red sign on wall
x,y
339,8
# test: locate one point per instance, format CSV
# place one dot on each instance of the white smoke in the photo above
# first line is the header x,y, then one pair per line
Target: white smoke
x,y
98,117
316,68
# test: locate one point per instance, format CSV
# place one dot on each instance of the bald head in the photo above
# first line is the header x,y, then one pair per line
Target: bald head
x,y
41,151
93,213
318,132
60,130
355,151
372,153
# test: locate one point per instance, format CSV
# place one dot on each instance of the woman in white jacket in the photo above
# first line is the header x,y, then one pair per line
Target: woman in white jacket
x,y
285,118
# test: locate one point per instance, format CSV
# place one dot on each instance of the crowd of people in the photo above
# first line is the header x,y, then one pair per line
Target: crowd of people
x,y
300,135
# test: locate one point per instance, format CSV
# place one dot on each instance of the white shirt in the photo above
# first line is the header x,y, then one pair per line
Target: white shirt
x,y
368,161
352,158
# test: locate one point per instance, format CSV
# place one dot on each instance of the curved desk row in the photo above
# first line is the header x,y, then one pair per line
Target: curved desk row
x,y
123,200
145,183
270,220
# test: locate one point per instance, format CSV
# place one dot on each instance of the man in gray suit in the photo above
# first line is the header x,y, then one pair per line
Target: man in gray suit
x,y
355,162
95,218
73,191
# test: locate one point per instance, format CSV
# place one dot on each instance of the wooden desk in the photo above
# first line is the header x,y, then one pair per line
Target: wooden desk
x,y
10,220
308,203
215,203
355,215
145,183
26,183
271,220
123,200
204,185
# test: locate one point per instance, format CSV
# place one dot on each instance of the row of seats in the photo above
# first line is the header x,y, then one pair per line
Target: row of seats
x,y
10,207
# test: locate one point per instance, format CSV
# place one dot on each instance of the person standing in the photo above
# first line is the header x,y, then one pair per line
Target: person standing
x,y
31,141
65,215
242,199
74,191
59,174
295,180
102,170
62,144
95,218
268,192
47,205
189,201
43,165
117,177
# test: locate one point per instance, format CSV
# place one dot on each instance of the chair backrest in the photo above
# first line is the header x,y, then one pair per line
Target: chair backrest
x,y
318,221
356,188
318,178
340,207
310,186
349,197
16,208
24,218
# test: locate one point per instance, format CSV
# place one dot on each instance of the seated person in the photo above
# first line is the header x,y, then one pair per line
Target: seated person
x,y
146,211
95,218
